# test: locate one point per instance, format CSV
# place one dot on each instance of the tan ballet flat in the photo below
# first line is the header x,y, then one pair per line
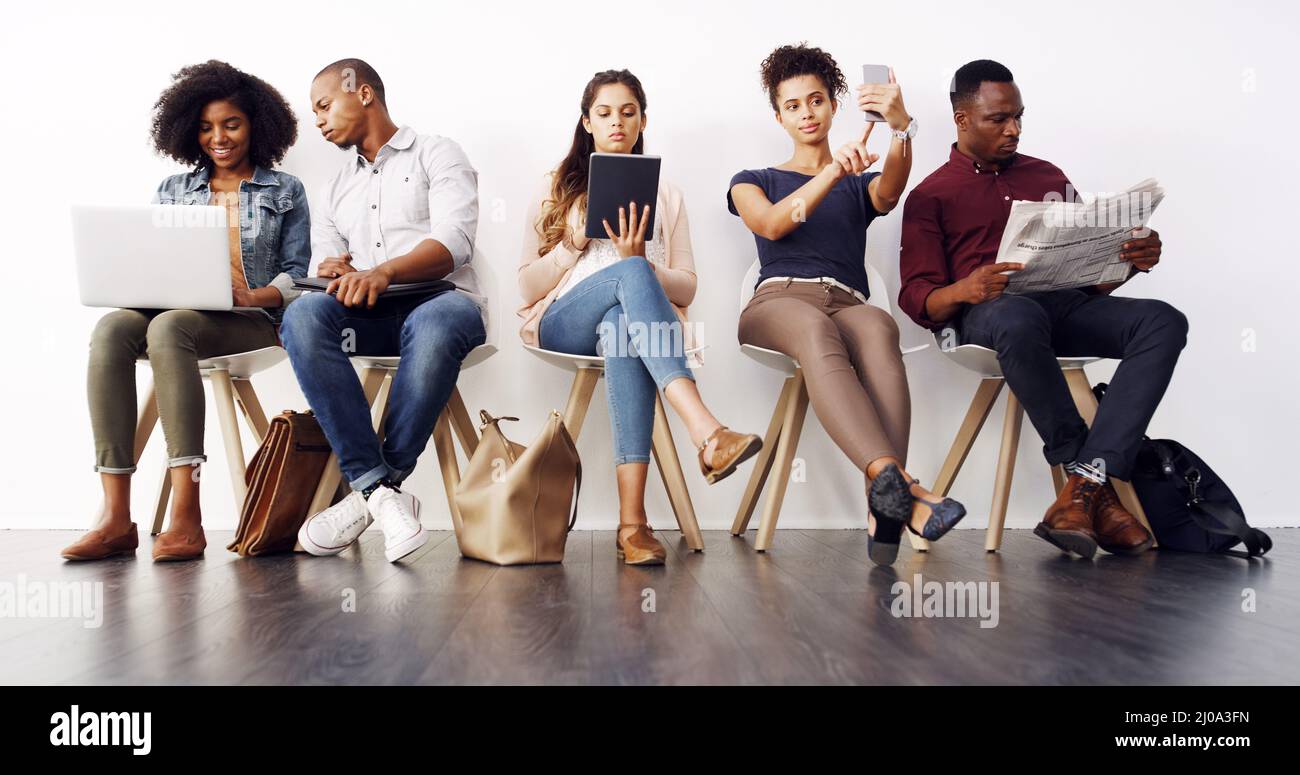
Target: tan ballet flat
x,y
173,547
97,545
640,548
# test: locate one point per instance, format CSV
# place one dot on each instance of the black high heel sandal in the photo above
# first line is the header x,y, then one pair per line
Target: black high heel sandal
x,y
890,501
944,516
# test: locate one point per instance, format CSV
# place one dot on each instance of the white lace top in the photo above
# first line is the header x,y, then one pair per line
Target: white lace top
x,y
601,253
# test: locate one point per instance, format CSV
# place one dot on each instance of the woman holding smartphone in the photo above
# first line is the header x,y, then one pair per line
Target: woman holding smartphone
x,y
585,296
809,216
231,128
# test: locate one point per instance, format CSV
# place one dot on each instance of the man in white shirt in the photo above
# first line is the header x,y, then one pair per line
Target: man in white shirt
x,y
404,208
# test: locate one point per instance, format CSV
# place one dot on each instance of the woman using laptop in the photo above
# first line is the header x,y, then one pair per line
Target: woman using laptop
x,y
580,292
231,128
809,216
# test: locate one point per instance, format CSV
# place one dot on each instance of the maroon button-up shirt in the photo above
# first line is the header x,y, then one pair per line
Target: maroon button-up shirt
x,y
953,221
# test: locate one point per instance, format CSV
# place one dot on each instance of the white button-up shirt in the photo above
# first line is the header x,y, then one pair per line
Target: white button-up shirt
x,y
419,187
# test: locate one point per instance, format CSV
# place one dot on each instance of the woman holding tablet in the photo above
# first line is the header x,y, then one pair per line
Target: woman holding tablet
x,y
580,293
810,216
231,128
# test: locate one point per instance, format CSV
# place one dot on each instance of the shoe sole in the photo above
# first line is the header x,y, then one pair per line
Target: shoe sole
x,y
405,547
713,477
1068,541
648,561
1126,550
316,550
93,557
178,557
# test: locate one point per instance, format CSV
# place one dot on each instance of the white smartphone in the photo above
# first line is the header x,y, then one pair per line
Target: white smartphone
x,y
875,74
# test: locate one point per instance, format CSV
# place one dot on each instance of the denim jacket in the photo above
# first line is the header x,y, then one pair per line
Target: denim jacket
x,y
274,226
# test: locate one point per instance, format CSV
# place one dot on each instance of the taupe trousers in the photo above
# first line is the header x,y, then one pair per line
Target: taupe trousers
x,y
850,359
174,340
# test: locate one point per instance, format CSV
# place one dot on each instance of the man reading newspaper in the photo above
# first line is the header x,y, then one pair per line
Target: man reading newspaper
x,y
953,228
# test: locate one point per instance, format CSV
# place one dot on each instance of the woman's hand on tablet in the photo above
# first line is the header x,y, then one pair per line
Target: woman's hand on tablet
x,y
630,240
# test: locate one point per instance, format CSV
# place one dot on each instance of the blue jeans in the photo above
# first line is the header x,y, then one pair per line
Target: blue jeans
x,y
622,308
1029,331
432,340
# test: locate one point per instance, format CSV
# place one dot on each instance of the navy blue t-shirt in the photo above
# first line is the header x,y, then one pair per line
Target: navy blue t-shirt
x,y
832,242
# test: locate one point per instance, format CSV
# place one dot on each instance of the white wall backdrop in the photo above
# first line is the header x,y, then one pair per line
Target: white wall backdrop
x,y
1200,95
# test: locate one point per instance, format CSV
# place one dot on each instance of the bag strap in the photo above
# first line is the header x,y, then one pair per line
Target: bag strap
x,y
1230,521
577,489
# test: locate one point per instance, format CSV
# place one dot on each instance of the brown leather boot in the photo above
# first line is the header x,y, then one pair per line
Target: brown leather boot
x,y
1067,525
732,450
173,546
641,547
96,545
1118,531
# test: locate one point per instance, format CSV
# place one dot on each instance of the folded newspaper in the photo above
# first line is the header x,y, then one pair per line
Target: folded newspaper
x,y
1075,244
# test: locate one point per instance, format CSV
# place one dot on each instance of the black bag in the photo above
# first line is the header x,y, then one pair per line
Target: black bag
x,y
1189,507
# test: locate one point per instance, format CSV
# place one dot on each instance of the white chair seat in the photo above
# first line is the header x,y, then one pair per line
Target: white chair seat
x,y
244,365
984,360
239,365
474,358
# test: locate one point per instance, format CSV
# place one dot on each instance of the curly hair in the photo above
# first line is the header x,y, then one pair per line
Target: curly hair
x,y
792,61
175,128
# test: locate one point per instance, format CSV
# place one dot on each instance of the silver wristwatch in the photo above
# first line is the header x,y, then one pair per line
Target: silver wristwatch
x,y
907,133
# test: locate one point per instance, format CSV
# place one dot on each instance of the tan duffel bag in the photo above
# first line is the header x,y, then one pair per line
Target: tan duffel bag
x,y
281,481
513,502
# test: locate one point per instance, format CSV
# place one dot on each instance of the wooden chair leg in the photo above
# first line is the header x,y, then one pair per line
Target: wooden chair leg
x,y
224,394
461,422
160,502
146,420
1058,479
763,463
1086,402
664,450
1005,470
331,480
980,407
575,411
251,408
447,463
791,428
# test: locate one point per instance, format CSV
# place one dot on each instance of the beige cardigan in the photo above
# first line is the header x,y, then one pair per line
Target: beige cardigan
x,y
541,277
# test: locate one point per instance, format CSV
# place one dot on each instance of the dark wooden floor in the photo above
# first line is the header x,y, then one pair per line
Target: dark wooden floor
x,y
812,610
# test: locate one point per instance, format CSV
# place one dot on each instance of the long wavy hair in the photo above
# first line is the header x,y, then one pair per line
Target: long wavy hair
x,y
569,184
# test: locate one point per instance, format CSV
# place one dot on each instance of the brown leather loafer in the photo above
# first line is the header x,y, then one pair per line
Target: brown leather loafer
x,y
96,545
172,547
641,547
732,450
1118,531
1068,522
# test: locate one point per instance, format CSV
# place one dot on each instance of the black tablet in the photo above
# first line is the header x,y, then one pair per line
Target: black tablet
x,y
613,180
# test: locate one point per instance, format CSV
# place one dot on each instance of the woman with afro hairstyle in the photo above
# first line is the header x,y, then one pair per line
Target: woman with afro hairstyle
x,y
580,293
231,129
809,216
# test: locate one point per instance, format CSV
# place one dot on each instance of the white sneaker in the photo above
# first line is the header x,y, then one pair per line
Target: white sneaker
x,y
334,529
398,515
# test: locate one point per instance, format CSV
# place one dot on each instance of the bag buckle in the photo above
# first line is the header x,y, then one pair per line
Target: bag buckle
x,y
1193,479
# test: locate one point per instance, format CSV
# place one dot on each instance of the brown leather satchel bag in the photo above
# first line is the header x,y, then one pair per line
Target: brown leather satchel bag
x,y
512,505
281,481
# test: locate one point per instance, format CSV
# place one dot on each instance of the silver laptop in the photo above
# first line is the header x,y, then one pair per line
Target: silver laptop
x,y
152,256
